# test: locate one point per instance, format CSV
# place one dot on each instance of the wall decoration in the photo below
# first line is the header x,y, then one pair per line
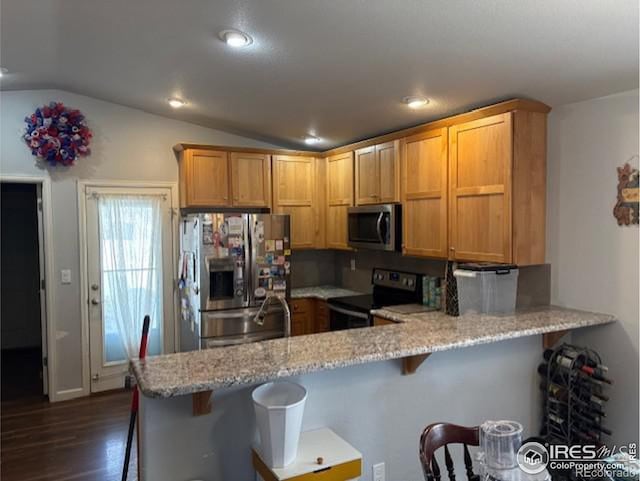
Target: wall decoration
x,y
626,208
57,134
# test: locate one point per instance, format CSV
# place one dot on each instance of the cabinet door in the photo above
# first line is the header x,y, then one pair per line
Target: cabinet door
x,y
424,181
321,316
250,179
388,171
301,316
294,194
206,178
339,198
367,176
480,189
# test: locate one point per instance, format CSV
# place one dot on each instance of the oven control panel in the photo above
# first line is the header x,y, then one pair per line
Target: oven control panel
x,y
395,279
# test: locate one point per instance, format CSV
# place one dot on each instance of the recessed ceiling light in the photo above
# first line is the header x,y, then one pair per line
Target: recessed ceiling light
x,y
3,71
235,38
415,102
311,140
176,103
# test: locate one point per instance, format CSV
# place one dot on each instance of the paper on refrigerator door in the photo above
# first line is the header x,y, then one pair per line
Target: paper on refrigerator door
x,y
258,231
235,226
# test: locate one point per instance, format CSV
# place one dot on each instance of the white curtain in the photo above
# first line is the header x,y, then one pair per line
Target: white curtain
x,y
131,264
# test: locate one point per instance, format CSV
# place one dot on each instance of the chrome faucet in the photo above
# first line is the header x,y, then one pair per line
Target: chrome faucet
x,y
259,318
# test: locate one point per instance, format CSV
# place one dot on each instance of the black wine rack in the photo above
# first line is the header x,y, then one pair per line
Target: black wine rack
x,y
573,401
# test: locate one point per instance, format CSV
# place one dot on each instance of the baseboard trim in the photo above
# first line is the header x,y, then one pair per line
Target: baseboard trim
x,y
68,394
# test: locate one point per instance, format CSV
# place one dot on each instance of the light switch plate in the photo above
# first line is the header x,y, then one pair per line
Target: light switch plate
x,y
378,472
65,276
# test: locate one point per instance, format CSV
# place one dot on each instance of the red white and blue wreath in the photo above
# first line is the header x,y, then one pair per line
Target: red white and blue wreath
x,y
57,134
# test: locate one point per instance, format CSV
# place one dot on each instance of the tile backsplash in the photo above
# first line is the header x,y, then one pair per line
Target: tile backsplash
x,y
318,267
313,268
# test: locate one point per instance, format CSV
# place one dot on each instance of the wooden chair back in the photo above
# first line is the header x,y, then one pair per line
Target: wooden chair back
x,y
440,435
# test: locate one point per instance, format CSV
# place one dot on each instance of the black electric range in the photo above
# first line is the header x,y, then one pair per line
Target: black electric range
x,y
390,288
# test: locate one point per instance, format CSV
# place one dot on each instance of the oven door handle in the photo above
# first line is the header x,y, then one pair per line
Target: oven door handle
x,y
379,227
347,312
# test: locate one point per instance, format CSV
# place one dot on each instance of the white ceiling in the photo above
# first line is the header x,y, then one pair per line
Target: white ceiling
x,y
338,68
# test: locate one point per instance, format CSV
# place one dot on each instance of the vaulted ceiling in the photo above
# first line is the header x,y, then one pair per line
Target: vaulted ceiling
x,y
336,68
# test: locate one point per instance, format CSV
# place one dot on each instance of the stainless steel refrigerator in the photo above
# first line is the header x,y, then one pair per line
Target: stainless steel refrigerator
x,y
229,263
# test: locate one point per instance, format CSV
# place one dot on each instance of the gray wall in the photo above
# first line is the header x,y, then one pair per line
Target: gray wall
x,y
594,261
128,145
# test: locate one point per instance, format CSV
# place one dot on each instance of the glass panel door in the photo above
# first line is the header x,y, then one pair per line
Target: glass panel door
x,y
129,252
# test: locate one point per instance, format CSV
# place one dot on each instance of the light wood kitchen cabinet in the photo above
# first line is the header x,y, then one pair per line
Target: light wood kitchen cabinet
x,y
381,321
309,316
497,188
294,193
377,174
473,186
424,194
204,178
302,313
250,179
339,193
321,316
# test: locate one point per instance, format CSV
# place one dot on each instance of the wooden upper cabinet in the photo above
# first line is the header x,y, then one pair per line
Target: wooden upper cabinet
x,y
424,194
339,172
480,188
367,176
377,174
294,193
250,179
388,155
497,188
204,178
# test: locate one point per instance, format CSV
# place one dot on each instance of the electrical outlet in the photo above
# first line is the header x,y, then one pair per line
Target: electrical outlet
x,y
353,264
378,472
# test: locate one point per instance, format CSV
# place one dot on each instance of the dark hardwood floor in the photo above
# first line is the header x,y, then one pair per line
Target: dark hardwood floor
x,y
79,440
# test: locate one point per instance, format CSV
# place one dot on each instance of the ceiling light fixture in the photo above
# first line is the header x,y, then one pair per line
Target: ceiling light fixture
x,y
415,102
235,38
3,71
176,103
311,140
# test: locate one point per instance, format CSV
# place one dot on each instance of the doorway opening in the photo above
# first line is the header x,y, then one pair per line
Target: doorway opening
x,y
23,313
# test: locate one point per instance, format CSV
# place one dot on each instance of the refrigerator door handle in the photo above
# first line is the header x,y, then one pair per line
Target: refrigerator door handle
x,y
248,260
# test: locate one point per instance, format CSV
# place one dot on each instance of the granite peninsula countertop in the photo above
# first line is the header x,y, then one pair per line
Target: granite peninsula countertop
x,y
191,372
322,292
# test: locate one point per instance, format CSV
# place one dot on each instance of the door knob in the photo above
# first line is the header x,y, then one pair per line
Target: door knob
x,y
94,287
95,302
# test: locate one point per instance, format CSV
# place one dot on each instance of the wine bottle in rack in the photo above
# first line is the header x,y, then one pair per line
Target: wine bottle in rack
x,y
587,373
572,354
573,384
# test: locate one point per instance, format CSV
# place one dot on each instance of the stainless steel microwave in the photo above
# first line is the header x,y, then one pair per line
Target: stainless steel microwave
x,y
376,227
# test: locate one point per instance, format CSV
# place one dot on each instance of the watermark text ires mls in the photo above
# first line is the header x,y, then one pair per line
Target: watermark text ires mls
x,y
584,460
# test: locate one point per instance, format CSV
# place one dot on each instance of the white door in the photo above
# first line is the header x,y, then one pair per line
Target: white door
x,y
129,264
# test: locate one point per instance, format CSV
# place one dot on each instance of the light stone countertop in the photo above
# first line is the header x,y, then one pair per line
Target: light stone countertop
x,y
191,372
322,292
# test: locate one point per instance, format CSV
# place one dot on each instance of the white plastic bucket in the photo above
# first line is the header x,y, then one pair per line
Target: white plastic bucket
x,y
279,408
